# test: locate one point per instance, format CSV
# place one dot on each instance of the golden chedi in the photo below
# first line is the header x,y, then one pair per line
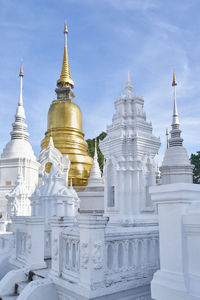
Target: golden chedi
x,y
65,126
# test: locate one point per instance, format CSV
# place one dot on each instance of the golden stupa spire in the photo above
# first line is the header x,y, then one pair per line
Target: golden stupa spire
x,y
174,83
65,76
21,73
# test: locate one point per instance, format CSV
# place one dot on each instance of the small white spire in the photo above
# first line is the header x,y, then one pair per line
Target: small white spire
x,y
95,178
95,150
128,86
175,120
175,139
21,75
19,126
51,143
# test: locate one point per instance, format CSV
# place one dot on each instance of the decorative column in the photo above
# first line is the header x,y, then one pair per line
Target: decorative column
x,y
191,224
92,250
57,251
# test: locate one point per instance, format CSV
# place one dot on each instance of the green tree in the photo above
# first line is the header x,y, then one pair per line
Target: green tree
x,y
91,145
195,160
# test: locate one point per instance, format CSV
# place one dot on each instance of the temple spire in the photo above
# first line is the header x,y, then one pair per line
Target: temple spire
x,y
95,178
21,75
128,86
19,126
65,77
175,139
175,119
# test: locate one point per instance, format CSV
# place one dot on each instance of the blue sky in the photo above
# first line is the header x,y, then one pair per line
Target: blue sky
x,y
107,38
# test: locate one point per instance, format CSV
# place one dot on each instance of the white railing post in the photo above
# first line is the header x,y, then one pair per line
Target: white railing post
x,y
92,250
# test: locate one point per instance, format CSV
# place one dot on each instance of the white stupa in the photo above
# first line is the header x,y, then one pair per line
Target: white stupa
x,y
17,154
176,166
95,178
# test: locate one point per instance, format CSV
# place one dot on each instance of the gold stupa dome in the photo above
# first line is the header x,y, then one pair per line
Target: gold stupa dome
x,y
65,126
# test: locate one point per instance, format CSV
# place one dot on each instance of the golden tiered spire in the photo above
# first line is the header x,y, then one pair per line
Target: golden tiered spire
x,y
174,80
21,73
65,76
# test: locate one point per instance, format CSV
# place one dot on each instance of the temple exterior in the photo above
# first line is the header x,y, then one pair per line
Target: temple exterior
x,y
69,232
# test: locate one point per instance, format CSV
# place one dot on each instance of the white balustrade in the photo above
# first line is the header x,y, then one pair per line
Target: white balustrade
x,y
5,241
134,256
47,243
21,245
70,256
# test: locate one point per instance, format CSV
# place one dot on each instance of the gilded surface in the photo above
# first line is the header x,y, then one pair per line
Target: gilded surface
x,y
65,76
174,82
65,127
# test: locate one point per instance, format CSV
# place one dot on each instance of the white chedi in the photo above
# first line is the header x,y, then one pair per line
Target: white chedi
x,y
17,154
19,146
95,178
176,166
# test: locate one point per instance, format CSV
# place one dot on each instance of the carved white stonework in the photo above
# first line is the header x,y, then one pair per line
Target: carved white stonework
x,y
55,249
54,156
54,196
84,255
18,201
129,149
28,243
97,255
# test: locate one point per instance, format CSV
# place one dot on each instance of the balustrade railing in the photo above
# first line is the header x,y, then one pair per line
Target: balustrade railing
x,y
130,256
5,241
70,255
47,243
22,240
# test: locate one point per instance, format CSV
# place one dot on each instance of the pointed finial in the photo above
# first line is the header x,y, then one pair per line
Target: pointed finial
x,y
65,76
51,143
21,73
175,139
175,119
20,103
95,148
65,29
128,86
167,132
174,83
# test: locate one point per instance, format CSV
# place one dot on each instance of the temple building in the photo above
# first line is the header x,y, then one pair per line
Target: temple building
x,y
69,232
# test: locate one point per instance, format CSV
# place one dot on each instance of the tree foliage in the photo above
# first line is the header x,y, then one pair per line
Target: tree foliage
x,y
91,145
195,160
